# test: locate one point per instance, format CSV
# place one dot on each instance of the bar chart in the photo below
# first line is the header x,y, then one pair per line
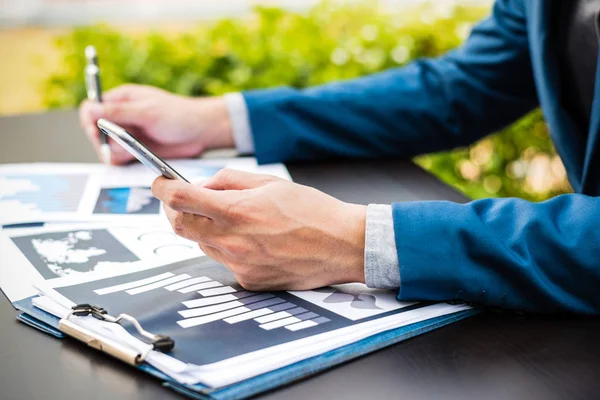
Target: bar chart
x,y
220,302
201,306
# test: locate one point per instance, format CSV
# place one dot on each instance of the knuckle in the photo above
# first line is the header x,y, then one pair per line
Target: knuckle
x,y
179,224
154,187
233,211
146,109
149,116
250,277
239,210
248,283
270,178
224,175
237,249
113,110
177,199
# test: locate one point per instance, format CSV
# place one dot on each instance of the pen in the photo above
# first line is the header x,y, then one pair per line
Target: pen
x,y
94,93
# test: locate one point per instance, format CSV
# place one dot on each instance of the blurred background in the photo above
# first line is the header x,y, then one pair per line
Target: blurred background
x,y
210,47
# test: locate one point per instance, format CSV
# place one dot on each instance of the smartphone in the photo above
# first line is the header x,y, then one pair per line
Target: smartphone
x,y
138,150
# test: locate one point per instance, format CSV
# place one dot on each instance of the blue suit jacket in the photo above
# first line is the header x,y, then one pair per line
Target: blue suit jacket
x,y
505,253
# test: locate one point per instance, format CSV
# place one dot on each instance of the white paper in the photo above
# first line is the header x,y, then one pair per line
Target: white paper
x,y
83,252
252,364
248,365
354,301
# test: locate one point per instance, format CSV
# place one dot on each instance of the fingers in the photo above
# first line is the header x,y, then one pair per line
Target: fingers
x,y
186,198
196,228
131,113
118,155
183,150
213,253
89,113
231,179
126,112
134,112
128,92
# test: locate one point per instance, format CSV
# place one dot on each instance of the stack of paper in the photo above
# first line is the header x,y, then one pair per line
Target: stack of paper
x,y
224,334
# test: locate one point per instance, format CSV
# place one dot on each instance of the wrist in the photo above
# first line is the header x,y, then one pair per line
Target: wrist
x,y
355,227
212,118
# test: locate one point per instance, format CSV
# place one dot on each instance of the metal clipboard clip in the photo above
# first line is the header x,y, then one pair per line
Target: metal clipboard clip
x,y
109,346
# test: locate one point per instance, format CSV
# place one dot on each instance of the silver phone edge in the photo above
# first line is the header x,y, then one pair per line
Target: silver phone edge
x,y
157,166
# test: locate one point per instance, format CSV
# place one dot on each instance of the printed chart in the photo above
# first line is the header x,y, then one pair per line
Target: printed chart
x,y
41,193
86,251
46,192
220,302
354,301
127,200
199,304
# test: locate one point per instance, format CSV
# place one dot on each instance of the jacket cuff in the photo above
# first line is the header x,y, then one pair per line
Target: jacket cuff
x,y
270,124
431,250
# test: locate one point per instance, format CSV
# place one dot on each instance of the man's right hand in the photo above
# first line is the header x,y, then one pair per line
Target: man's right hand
x,y
170,125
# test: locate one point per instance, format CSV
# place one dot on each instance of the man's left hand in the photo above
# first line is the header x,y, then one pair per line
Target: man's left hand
x,y
273,234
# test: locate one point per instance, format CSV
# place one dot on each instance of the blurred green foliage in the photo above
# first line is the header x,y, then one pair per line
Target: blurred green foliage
x,y
332,41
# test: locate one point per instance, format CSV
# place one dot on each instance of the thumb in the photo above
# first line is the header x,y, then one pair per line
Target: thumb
x,y
232,179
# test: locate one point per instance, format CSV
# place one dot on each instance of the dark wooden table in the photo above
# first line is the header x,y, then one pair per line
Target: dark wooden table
x,y
491,356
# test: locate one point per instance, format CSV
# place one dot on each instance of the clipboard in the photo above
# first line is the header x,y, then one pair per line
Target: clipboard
x,y
107,345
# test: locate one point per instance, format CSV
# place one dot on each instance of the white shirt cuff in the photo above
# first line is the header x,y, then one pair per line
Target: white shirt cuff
x,y
382,269
240,123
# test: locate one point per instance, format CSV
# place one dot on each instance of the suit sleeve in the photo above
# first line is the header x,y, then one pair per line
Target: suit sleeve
x,y
505,253
429,105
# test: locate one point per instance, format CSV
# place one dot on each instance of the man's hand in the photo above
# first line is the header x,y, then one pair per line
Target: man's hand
x,y
273,234
170,125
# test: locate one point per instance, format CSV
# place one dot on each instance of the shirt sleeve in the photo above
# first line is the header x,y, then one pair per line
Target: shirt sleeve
x,y
240,123
382,270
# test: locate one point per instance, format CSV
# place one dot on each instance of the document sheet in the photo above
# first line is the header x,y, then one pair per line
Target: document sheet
x,y
29,256
223,333
92,192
